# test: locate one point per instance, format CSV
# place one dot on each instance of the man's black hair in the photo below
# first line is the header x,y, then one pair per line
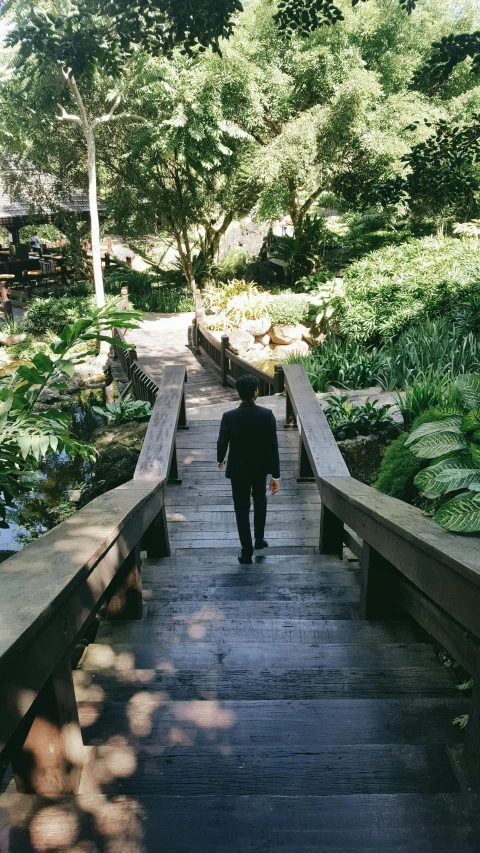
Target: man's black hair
x,y
246,387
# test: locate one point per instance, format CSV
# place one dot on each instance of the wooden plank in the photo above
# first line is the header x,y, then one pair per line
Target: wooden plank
x,y
313,722
262,591
157,449
367,768
358,823
307,607
305,631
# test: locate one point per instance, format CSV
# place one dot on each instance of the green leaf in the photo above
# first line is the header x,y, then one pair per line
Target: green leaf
x,y
475,452
471,421
42,362
461,514
469,386
438,444
31,375
428,481
450,424
457,479
66,367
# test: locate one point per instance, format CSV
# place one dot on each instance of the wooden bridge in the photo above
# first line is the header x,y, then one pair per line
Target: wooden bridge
x,y
295,705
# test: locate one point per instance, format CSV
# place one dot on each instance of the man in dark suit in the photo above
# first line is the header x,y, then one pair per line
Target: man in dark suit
x,y
251,434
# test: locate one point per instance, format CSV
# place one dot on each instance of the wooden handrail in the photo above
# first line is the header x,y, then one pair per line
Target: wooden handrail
x,y
408,562
52,589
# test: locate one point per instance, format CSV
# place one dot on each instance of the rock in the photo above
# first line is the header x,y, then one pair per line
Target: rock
x,y
297,347
257,327
240,341
210,312
286,334
264,340
118,451
74,495
11,340
263,359
363,454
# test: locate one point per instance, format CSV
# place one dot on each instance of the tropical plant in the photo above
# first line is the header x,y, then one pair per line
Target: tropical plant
x,y
347,419
290,308
452,444
28,432
324,305
51,315
231,266
344,364
424,392
126,409
399,466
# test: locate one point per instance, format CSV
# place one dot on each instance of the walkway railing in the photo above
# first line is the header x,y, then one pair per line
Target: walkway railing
x,y
227,363
408,562
143,386
52,590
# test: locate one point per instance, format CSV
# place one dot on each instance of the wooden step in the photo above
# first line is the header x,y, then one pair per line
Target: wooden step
x,y
221,658
279,683
149,823
308,607
262,592
303,631
266,563
185,769
312,723
257,582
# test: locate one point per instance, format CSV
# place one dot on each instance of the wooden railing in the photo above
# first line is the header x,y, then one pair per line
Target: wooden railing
x,y
408,562
52,590
142,385
227,363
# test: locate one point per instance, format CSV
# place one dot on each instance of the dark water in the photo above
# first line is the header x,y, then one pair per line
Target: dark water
x,y
44,506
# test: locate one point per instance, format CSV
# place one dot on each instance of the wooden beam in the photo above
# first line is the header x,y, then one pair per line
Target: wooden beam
x,y
158,447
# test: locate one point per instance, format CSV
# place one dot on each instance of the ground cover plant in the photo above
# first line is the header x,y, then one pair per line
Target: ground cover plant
x,y
156,291
347,419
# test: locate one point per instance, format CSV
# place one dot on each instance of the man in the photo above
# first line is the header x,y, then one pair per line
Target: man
x,y
36,244
251,433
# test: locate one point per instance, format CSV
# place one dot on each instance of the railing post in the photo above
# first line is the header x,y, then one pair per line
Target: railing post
x,y
155,541
124,304
126,601
107,260
223,360
304,470
48,760
290,416
331,533
278,379
129,261
173,477
377,594
182,418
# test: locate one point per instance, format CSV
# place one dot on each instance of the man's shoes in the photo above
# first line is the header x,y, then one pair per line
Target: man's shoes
x,y
245,559
261,544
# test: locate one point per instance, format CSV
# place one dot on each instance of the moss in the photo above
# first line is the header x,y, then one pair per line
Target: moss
x,y
400,467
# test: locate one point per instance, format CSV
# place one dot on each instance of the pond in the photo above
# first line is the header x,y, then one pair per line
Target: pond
x,y
48,502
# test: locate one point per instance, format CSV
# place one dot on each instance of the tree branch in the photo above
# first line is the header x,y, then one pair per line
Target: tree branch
x,y
64,116
110,117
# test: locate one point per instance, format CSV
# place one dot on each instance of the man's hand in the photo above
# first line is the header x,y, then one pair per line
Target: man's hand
x,y
222,466
274,486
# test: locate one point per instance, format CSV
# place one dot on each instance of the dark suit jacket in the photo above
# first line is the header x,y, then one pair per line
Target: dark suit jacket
x,y
251,433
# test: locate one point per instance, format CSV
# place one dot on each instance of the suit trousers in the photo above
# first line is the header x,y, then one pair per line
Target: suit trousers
x,y
242,487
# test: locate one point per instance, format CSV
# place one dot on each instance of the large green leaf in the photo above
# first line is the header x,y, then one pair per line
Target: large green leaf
x,y
428,480
461,514
450,424
469,386
457,479
438,444
475,452
471,421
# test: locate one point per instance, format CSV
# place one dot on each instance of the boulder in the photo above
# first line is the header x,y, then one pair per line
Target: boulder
x,y
240,341
11,340
297,347
285,333
257,327
118,450
263,359
264,340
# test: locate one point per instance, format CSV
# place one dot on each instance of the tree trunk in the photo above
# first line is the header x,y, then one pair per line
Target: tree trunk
x,y
94,221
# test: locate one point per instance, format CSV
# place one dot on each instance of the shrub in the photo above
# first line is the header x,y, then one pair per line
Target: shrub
x,y
399,467
232,265
51,315
124,410
289,308
219,295
344,364
424,392
347,420
155,291
389,289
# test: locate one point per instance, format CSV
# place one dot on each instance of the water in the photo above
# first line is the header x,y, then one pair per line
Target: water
x,y
47,501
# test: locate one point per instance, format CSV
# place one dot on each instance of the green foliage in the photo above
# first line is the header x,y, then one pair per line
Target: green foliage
x,y
347,420
399,466
391,289
51,315
28,433
47,233
290,308
231,266
305,16
126,409
425,391
344,364
148,291
446,55
452,443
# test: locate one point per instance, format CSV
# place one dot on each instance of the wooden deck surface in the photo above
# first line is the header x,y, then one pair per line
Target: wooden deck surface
x,y
250,709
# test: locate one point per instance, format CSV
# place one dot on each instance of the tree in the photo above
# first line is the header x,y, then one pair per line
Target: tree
x,y
95,37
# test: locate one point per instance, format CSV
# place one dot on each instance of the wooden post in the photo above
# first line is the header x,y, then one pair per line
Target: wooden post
x,y
377,595
223,360
304,470
155,541
290,417
109,245
48,760
182,418
278,379
129,261
27,294
471,749
126,601
124,304
331,533
173,477
107,260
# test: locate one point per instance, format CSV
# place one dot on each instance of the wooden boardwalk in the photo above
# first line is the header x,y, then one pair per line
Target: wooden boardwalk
x,y
250,709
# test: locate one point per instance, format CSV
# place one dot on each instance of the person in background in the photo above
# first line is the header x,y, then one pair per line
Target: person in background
x,y
250,431
36,244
